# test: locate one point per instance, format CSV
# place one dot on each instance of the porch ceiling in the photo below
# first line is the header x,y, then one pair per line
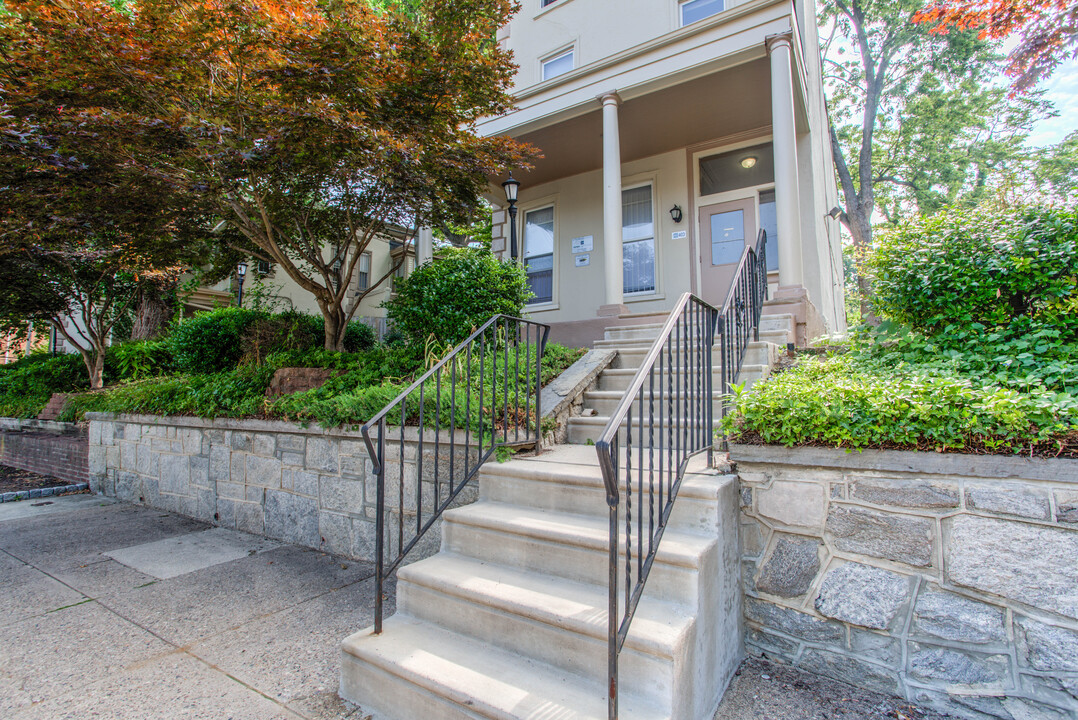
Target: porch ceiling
x,y
719,105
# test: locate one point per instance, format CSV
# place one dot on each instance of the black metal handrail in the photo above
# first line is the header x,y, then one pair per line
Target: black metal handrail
x,y
490,359
672,425
741,312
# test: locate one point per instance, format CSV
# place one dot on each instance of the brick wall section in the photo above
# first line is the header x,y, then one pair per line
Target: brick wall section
x,y
951,580
307,486
56,450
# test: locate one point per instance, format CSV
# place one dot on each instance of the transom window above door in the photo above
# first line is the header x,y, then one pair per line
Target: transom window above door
x,y
539,254
737,169
693,10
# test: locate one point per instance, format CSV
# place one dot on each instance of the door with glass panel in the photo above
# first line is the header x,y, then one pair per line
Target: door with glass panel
x,y
725,229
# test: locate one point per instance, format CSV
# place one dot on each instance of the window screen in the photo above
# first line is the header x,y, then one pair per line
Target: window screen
x,y
638,240
539,253
363,276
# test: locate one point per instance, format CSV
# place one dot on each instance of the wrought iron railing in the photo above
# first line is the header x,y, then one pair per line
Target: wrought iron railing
x,y
740,314
664,419
429,442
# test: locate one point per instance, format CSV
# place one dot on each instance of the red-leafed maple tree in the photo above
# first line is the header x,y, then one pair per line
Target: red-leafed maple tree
x,y
308,127
1048,30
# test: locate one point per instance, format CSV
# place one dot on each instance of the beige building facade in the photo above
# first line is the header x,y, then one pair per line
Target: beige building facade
x,y
671,133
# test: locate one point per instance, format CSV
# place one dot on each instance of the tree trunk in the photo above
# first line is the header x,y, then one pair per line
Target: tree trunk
x,y
94,360
335,328
860,228
151,313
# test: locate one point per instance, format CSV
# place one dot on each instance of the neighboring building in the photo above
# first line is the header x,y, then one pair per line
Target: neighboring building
x,y
639,106
281,292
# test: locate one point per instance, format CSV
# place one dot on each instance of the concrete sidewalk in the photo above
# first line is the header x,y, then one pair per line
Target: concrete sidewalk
x,y
119,611
110,610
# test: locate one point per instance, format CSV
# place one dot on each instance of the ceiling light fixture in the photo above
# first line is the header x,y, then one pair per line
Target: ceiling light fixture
x,y
749,162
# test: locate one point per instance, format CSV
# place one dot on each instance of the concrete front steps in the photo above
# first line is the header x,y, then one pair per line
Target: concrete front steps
x,y
509,620
633,343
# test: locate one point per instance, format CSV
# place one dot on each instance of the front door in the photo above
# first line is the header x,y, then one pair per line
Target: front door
x,y
725,229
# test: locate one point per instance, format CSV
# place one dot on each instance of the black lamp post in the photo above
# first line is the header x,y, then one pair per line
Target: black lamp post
x,y
241,273
510,186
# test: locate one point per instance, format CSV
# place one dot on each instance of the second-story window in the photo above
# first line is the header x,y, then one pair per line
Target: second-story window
x,y
548,2
558,65
539,254
363,274
693,10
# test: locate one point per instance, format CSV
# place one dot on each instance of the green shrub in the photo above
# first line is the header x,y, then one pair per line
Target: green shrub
x,y
986,268
454,295
293,330
1025,355
138,359
26,386
238,393
839,402
210,342
369,385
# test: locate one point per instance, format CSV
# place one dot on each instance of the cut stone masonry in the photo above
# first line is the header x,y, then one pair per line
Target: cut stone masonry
x,y
951,580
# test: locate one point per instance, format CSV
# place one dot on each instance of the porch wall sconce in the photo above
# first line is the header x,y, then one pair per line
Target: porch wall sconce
x,y
675,214
511,186
749,162
835,213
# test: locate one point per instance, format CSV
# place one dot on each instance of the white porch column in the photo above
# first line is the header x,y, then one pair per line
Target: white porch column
x,y
784,141
424,251
612,253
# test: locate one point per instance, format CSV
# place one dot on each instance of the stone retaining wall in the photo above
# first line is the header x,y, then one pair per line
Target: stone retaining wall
x,y
951,580
48,448
304,485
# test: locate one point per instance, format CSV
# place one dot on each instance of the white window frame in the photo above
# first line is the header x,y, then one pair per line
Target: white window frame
x,y
681,12
557,55
360,286
522,218
650,182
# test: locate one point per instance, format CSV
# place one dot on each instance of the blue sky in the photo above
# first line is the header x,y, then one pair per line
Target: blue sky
x,y
1062,90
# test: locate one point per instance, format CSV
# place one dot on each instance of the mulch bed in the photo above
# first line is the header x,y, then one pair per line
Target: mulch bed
x,y
14,480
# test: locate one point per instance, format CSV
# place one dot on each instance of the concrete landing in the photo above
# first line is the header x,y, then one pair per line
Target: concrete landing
x,y
195,551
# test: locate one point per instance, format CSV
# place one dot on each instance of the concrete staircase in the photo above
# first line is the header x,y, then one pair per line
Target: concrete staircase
x,y
509,620
633,342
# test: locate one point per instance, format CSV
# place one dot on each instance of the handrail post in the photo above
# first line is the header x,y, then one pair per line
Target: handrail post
x,y
612,613
713,317
379,523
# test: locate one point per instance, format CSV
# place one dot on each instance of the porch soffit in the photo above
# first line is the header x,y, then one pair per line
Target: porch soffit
x,y
733,101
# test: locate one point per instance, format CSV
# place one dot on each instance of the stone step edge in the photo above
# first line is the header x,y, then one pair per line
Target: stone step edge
x,y
696,486
651,637
678,548
403,634
678,370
